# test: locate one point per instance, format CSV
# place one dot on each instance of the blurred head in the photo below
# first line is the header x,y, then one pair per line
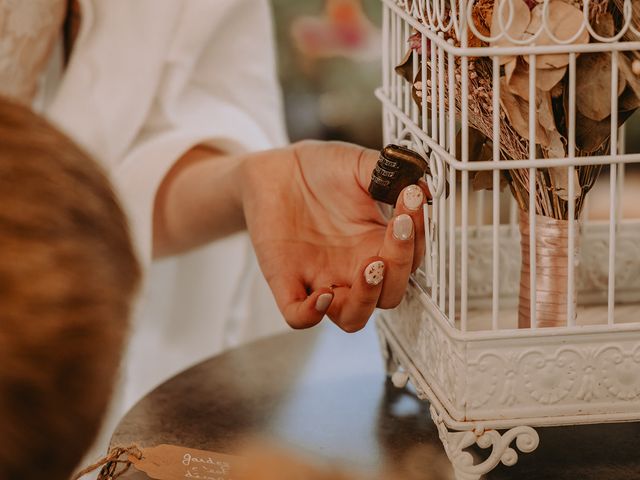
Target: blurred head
x,y
67,279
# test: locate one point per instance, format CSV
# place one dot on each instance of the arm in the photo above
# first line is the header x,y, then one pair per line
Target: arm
x,y
198,201
319,238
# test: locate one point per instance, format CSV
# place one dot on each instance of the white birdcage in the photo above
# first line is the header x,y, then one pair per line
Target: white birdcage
x,y
455,336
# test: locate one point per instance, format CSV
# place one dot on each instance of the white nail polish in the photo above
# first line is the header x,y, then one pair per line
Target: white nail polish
x,y
403,227
323,302
413,198
374,273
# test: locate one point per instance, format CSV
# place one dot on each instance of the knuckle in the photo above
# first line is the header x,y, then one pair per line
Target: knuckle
x,y
295,324
365,302
390,302
352,327
401,263
298,323
350,323
305,144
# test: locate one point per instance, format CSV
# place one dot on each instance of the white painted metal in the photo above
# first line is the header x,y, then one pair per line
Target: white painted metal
x,y
483,376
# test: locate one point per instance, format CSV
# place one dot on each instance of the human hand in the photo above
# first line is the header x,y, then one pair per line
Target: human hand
x,y
322,243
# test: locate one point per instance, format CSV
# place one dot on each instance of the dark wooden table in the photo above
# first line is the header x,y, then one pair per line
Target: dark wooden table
x,y
324,393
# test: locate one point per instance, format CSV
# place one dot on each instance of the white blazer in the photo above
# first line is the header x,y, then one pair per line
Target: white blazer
x,y
147,81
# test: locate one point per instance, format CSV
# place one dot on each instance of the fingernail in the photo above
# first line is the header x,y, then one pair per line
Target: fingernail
x,y
413,198
374,273
403,227
323,302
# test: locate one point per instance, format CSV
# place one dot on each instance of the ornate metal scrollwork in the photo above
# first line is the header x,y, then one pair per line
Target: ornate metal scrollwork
x,y
455,444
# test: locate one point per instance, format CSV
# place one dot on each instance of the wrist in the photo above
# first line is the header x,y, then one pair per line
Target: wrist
x,y
199,200
259,172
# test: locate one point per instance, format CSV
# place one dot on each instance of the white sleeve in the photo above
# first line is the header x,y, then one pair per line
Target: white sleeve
x,y
216,84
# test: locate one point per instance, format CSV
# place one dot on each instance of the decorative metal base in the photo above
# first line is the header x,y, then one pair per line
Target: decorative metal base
x,y
456,442
491,388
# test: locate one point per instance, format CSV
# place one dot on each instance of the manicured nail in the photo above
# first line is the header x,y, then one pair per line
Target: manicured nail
x,y
403,227
374,273
413,198
323,302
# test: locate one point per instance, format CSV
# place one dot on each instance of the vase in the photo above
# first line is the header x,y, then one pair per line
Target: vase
x,y
552,259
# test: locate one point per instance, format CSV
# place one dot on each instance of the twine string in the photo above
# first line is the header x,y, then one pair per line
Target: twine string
x,y
114,464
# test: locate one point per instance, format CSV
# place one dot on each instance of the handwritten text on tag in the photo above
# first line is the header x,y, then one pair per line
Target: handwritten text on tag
x,y
169,462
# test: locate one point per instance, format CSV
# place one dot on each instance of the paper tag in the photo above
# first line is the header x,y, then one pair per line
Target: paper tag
x,y
169,462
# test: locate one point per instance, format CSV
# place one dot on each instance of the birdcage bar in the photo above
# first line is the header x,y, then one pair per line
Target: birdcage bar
x,y
571,152
392,49
425,128
452,186
495,300
386,66
433,93
415,66
423,85
389,48
513,215
442,226
385,70
449,266
541,162
478,166
432,99
408,101
613,200
430,29
532,190
622,138
398,57
464,154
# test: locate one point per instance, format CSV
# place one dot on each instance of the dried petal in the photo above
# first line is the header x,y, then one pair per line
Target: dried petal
x,y
592,134
415,42
481,18
513,30
545,113
517,74
556,145
517,110
405,67
557,91
480,146
555,149
482,15
480,149
560,180
564,21
604,25
593,85
483,180
626,70
416,93
628,100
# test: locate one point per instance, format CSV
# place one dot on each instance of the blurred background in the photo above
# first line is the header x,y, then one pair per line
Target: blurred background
x,y
329,54
329,63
